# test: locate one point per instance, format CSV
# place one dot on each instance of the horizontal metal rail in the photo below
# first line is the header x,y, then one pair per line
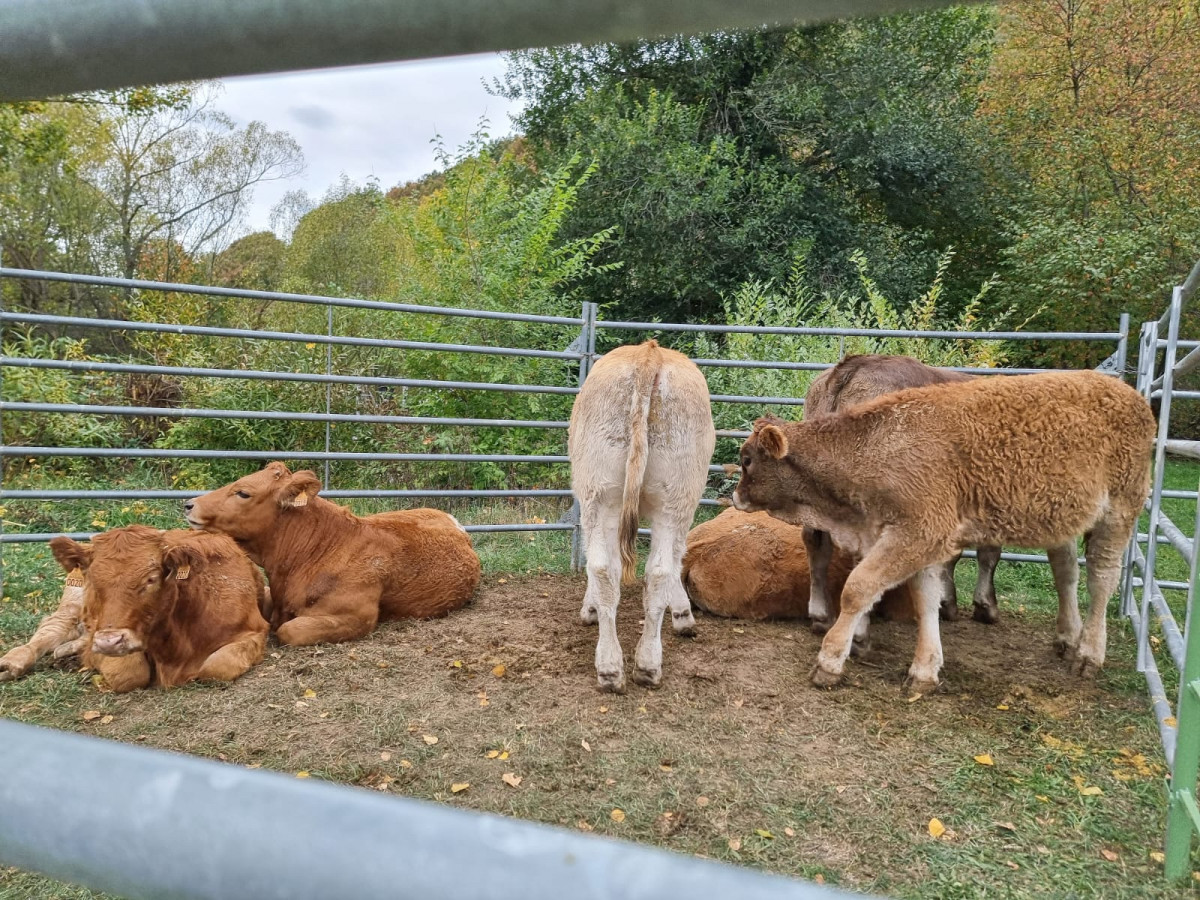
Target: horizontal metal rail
x,y
144,823
291,336
317,299
1176,538
42,537
1190,449
272,415
316,455
87,365
869,332
398,494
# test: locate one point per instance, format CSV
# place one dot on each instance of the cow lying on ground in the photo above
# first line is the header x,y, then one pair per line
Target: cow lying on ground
x,y
640,441
908,479
60,633
166,607
754,566
854,380
334,575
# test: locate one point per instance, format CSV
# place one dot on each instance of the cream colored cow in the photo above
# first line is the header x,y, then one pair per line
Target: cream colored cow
x,y
61,632
640,442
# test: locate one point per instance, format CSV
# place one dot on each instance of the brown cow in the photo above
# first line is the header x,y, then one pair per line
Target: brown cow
x,y
166,607
640,442
334,575
854,380
908,479
60,633
753,566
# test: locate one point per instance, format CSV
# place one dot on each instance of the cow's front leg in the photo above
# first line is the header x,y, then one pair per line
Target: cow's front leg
x,y
927,661
987,610
234,659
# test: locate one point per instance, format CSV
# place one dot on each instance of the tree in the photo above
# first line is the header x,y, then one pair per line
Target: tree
x,y
1097,101
723,158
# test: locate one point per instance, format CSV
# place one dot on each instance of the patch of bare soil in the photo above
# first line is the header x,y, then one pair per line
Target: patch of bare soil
x,y
735,756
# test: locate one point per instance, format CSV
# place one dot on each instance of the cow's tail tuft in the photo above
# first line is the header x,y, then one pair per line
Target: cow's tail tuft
x,y
645,383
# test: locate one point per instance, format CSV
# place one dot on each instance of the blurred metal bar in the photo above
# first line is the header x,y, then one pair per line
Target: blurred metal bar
x,y
144,823
51,47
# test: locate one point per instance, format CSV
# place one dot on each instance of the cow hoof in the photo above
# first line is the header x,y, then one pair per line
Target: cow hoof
x,y
859,649
821,678
589,616
1064,648
684,624
1083,667
646,677
820,626
988,615
920,686
611,682
948,612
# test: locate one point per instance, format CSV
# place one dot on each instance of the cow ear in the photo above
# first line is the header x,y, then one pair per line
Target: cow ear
x,y
180,561
763,421
302,487
71,555
772,439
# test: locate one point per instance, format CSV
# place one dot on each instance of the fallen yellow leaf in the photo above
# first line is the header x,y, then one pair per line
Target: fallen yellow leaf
x,y
502,581
665,767
1109,855
309,693
789,832
702,801
604,709
617,815
385,755
510,779
1170,721
1001,706
303,773
492,754
457,664
985,759
405,764
459,786
104,720
429,739
763,833
499,670
585,745
936,828
91,714
503,754
1158,856
735,845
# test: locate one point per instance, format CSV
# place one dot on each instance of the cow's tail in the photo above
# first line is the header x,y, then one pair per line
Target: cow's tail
x,y
645,382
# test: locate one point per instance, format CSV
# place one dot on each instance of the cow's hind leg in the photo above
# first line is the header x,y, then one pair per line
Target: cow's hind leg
x,y
603,596
1065,566
987,610
1105,547
947,591
819,546
664,590
234,659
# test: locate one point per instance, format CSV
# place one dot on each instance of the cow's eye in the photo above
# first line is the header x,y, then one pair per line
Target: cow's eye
x,y
745,462
243,495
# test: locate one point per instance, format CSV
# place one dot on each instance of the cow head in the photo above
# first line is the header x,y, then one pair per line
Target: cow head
x,y
131,577
764,467
249,508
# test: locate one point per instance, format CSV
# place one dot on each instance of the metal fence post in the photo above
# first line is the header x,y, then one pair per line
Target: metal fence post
x,y
587,347
328,390
1183,816
1160,458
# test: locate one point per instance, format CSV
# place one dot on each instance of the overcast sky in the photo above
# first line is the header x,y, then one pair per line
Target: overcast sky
x,y
368,120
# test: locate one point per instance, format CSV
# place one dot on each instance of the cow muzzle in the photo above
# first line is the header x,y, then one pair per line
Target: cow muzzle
x,y
115,642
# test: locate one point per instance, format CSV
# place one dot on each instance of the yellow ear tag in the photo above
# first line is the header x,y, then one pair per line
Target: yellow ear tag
x,y
182,573
301,499
75,578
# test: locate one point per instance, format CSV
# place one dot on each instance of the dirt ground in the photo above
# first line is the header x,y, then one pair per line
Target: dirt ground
x,y
736,756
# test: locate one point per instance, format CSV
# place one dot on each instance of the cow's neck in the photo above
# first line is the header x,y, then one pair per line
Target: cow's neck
x,y
300,539
823,470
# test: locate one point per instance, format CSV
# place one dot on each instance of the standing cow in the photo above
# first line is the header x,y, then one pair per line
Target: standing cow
x,y
166,607
640,442
335,575
908,479
854,380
